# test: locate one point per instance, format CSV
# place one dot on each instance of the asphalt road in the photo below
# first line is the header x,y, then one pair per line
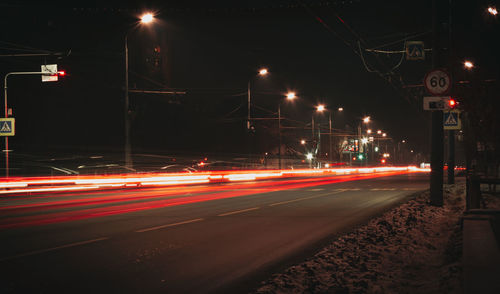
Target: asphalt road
x,y
199,239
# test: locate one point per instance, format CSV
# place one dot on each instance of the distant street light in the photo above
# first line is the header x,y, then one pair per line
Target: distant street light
x,y
303,142
468,65
290,95
492,10
145,19
320,108
366,119
263,72
384,135
340,109
369,131
379,132
309,156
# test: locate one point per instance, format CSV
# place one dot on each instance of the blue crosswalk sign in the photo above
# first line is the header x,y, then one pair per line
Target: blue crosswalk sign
x,y
451,120
415,50
7,126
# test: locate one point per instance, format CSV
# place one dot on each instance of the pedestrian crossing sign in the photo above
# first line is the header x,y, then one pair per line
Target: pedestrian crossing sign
x,y
7,126
451,120
415,50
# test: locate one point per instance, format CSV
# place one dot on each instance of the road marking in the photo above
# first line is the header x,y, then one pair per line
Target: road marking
x,y
383,189
306,198
315,190
238,211
53,248
169,225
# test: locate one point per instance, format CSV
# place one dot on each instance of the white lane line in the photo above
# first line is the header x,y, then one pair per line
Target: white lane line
x,y
169,225
315,190
383,189
238,211
53,248
305,198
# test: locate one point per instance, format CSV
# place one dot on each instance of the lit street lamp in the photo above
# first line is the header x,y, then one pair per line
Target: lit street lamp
x,y
289,96
262,72
492,10
468,65
146,18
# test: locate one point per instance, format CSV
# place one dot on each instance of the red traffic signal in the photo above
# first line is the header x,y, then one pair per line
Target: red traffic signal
x,y
452,103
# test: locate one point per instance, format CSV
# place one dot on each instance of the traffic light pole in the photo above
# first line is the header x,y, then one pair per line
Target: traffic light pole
x,y
6,115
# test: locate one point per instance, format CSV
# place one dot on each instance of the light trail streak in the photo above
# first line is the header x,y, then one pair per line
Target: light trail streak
x,y
69,183
119,207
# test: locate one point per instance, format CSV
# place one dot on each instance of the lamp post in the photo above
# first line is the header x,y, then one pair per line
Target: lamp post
x,y
262,72
146,18
321,108
289,96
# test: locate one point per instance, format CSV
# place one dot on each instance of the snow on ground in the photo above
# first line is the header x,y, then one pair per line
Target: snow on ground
x,y
414,248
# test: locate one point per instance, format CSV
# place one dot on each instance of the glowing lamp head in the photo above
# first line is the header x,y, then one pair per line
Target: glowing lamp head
x,y
492,10
366,119
147,18
364,140
263,71
340,109
468,64
290,95
303,142
379,132
309,156
368,131
384,135
320,108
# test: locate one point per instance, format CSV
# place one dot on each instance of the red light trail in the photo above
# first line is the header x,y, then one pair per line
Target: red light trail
x,y
53,208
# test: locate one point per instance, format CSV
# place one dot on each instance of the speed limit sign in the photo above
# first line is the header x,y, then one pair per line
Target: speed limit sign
x,y
437,82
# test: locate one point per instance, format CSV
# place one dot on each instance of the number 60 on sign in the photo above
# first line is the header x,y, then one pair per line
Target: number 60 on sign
x,y
437,82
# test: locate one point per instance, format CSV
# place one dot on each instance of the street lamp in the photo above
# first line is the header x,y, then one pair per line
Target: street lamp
x,y
321,108
340,109
146,18
289,96
262,72
492,10
468,64
366,119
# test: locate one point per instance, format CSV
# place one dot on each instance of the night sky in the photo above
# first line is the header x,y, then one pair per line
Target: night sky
x,y
211,51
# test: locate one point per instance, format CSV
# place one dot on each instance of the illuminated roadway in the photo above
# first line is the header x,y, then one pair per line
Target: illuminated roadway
x,y
222,238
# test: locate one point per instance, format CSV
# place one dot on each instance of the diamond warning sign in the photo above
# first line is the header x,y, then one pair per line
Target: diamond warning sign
x,y
7,126
451,120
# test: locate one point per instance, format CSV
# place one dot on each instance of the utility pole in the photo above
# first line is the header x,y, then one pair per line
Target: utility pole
x,y
439,13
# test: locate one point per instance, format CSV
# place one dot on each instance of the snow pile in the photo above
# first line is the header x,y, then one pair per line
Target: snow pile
x,y
414,248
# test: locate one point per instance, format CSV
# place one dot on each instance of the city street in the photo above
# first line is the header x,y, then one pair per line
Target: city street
x,y
190,239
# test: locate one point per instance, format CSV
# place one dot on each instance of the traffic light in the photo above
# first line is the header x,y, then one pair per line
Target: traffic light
x,y
452,103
